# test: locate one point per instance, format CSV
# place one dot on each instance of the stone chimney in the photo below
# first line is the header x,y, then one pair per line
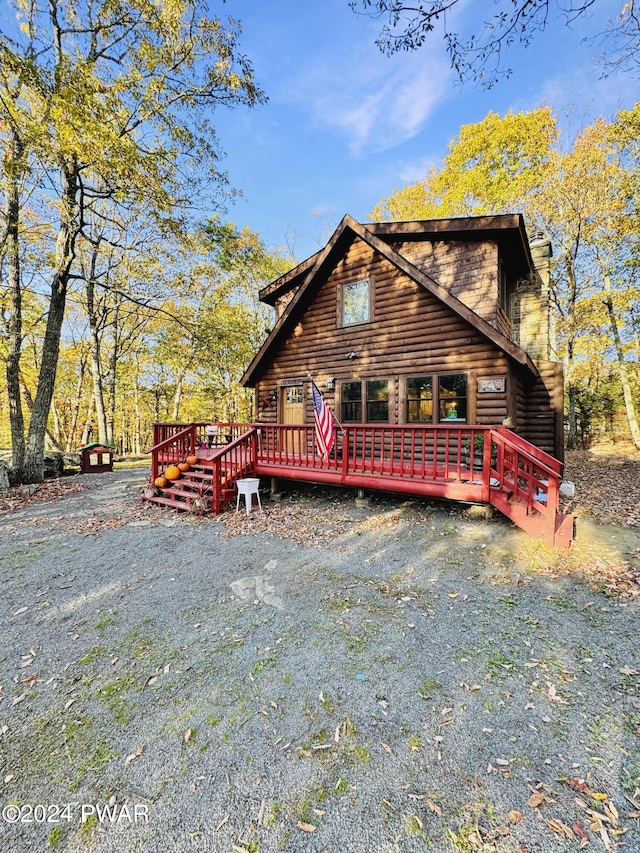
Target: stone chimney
x,y
531,326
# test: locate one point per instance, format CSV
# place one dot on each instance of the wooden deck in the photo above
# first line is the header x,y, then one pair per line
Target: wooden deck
x,y
464,463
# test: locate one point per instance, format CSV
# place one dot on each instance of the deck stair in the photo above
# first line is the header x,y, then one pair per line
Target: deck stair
x,y
209,484
525,485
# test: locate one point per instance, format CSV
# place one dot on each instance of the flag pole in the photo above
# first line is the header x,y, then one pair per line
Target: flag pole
x,y
333,414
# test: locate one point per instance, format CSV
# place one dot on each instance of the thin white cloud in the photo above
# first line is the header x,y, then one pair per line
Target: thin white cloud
x,y
376,102
396,111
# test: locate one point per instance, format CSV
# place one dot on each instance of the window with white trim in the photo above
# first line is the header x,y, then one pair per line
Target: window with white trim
x,y
356,302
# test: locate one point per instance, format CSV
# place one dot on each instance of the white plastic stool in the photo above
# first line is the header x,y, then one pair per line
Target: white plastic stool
x,y
248,486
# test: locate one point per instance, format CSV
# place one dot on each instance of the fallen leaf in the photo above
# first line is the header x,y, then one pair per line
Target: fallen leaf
x,y
133,755
578,828
306,827
553,695
514,816
626,670
536,800
188,735
580,785
387,748
222,822
605,838
434,807
152,678
560,828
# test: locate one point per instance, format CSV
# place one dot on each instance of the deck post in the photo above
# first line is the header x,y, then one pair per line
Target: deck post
x,y
274,494
345,454
361,500
552,506
486,467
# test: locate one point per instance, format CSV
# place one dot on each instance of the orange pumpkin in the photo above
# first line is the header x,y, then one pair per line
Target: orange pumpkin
x,y
183,466
160,482
172,472
192,460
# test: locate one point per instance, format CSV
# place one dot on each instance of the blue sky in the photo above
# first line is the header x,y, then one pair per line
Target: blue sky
x,y
345,124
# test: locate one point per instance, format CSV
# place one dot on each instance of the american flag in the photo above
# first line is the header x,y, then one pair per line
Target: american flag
x,y
323,421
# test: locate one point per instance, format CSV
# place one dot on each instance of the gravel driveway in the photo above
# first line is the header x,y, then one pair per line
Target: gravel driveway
x,y
321,677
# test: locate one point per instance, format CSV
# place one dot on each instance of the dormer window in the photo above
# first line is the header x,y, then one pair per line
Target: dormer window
x,y
356,302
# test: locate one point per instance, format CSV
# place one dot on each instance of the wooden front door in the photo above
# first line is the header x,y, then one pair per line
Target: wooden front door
x,y
292,414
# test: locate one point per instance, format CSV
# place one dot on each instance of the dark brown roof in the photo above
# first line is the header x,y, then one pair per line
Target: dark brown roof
x,y
314,270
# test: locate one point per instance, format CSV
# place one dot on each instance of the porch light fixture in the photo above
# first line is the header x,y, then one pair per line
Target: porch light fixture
x,y
330,383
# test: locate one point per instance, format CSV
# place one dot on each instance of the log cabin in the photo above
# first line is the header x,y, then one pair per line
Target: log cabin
x,y
432,344
438,322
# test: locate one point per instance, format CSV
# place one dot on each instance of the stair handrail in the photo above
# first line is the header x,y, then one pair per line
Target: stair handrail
x,y
154,451
530,451
217,457
550,507
540,456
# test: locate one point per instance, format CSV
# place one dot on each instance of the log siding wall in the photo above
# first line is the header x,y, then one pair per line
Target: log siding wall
x,y
411,334
470,271
543,422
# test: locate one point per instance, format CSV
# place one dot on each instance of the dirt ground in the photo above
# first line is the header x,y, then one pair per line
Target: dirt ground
x,y
317,677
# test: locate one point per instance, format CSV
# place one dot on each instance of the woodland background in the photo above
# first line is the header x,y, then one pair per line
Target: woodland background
x,y
126,296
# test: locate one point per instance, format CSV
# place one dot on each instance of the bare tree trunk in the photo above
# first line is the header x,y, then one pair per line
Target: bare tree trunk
x,y
14,347
26,394
572,391
86,429
71,437
57,436
627,394
96,366
177,397
137,420
113,375
65,253
98,390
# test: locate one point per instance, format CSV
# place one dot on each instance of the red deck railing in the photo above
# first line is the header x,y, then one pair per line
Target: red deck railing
x,y
466,463
229,463
172,449
383,457
225,432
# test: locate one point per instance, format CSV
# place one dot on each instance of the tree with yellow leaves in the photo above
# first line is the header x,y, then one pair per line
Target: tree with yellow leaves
x,y
103,102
